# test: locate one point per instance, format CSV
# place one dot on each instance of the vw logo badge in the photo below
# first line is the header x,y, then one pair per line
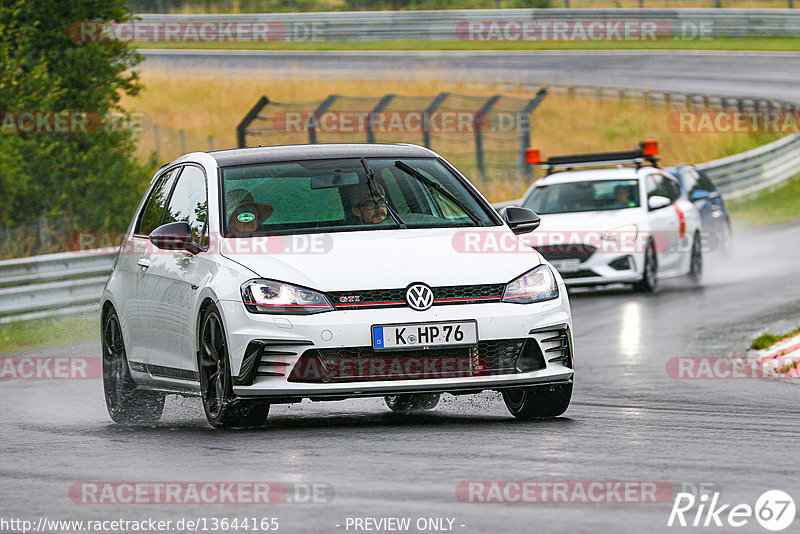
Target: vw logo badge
x,y
419,296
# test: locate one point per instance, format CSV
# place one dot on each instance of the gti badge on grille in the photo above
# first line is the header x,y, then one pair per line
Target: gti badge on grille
x,y
419,296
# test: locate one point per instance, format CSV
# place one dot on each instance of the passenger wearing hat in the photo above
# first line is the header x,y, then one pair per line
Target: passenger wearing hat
x,y
247,214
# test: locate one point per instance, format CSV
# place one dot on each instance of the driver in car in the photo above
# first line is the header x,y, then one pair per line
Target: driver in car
x,y
370,207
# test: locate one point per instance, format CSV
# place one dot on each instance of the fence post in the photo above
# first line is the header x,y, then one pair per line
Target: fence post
x,y
322,108
426,123
210,143
477,123
241,128
524,168
375,111
182,135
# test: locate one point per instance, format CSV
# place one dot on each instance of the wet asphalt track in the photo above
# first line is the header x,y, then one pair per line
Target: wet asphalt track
x,y
628,419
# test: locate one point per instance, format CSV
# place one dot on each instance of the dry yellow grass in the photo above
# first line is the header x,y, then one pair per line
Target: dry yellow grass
x,y
208,105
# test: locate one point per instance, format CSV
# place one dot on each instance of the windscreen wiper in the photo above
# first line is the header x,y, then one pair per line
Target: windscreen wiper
x,y
433,185
373,187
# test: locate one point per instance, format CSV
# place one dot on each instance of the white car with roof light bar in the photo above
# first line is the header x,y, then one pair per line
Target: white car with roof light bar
x,y
619,224
270,275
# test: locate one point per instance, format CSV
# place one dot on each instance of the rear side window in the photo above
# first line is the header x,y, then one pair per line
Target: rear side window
x,y
153,211
188,201
658,185
672,189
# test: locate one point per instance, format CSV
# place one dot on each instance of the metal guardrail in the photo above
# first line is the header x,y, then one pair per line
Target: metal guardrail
x,y
454,24
52,284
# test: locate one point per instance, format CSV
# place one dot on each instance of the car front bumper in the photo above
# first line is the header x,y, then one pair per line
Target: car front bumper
x,y
288,337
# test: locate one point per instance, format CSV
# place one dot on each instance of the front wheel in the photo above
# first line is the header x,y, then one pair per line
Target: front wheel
x,y
222,408
649,281
538,402
127,404
409,403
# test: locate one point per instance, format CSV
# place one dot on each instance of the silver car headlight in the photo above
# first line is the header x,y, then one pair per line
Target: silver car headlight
x,y
270,296
536,285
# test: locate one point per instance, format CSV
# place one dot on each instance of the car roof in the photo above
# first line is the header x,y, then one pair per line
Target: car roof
x,y
615,173
268,154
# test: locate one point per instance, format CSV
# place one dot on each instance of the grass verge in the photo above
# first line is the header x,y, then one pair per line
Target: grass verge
x,y
767,340
767,44
49,332
779,205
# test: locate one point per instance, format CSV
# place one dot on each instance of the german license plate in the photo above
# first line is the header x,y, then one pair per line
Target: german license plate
x,y
411,336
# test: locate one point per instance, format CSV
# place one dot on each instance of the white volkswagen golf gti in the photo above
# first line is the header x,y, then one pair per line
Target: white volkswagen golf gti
x,y
262,276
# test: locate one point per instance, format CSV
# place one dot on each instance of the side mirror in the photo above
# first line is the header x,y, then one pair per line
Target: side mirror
x,y
698,194
657,202
521,220
174,236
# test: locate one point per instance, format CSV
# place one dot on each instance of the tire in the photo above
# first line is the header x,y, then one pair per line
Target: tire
x,y
222,408
727,241
538,402
696,260
412,403
127,404
649,281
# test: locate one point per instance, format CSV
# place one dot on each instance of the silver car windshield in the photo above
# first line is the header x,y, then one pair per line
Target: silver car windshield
x,y
597,195
346,195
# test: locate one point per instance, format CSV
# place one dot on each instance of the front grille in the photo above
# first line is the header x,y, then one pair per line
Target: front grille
x,y
357,364
567,252
390,298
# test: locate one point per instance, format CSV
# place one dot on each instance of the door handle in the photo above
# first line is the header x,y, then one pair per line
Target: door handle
x,y
144,263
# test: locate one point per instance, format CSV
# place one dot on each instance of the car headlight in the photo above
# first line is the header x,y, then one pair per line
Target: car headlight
x,y
629,232
536,285
269,296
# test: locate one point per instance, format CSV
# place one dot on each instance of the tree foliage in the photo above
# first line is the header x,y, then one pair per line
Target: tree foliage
x,y
90,179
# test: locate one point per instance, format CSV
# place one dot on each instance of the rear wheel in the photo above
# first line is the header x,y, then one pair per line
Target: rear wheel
x,y
538,402
696,260
127,404
222,408
410,403
649,281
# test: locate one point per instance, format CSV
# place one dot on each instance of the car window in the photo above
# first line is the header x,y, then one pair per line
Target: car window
x,y
672,189
153,212
188,201
335,195
595,195
704,182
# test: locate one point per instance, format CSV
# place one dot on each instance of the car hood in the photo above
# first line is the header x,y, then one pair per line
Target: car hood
x,y
589,220
383,259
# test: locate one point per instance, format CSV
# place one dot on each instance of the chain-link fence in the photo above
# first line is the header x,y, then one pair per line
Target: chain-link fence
x,y
485,137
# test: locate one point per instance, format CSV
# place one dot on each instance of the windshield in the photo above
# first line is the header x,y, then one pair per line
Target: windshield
x,y
601,195
338,195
